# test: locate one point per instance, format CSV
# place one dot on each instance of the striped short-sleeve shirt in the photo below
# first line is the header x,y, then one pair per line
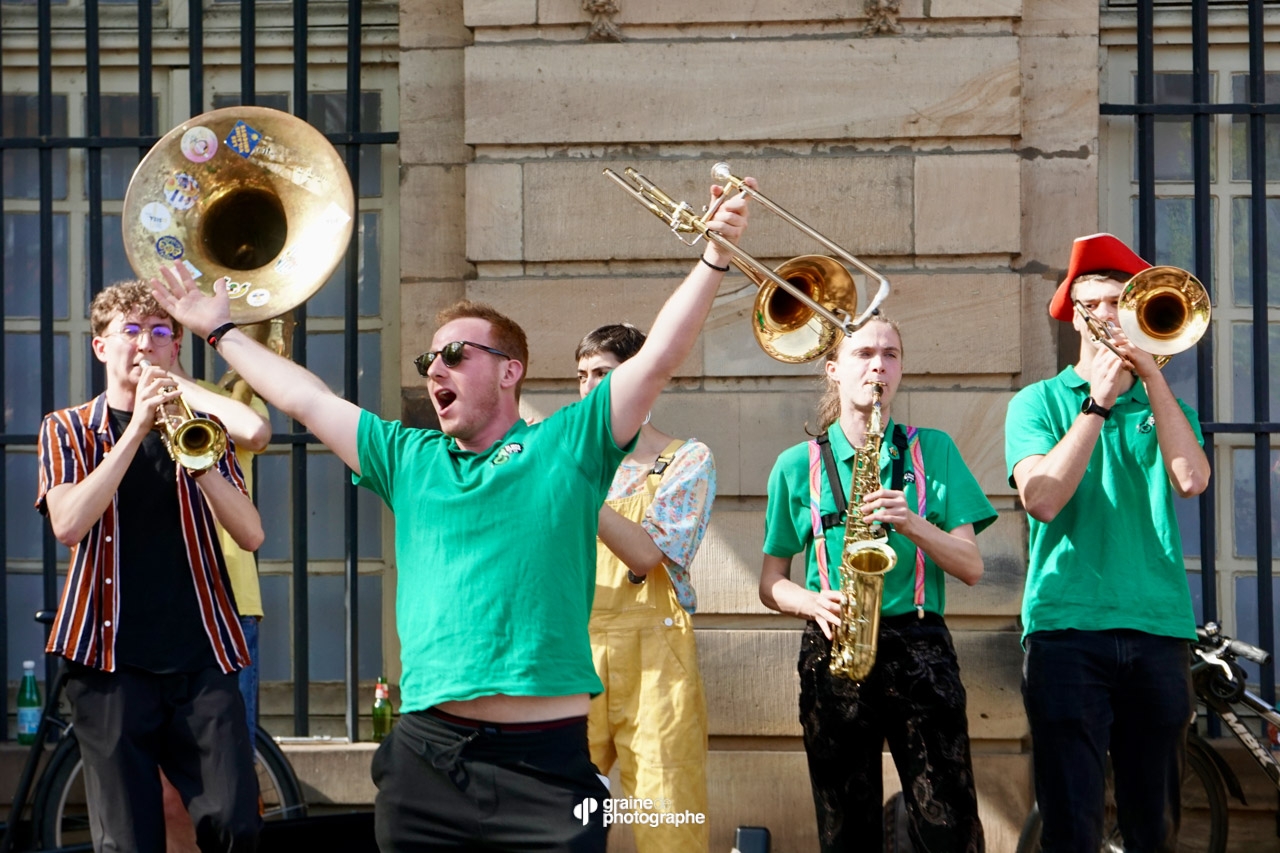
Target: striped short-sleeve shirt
x,y
73,442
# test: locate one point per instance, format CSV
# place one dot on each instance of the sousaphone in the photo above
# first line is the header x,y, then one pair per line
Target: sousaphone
x,y
250,193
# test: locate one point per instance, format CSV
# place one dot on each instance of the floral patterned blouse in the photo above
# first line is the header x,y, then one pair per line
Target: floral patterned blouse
x,y
677,519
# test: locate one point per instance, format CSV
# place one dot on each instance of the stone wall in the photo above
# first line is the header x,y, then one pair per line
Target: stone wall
x,y
952,145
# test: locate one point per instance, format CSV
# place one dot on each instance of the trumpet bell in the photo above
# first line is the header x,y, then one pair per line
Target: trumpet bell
x,y
784,327
1164,310
250,193
198,444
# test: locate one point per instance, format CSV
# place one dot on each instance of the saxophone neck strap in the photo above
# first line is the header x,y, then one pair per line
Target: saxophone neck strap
x,y
901,439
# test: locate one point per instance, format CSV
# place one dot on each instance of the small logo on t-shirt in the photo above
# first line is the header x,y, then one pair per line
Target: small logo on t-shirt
x,y
909,477
503,456
1147,425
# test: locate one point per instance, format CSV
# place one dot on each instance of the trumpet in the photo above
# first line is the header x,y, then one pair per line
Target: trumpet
x,y
194,443
814,309
1162,310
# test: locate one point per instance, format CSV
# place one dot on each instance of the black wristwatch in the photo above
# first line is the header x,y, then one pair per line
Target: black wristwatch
x,y
1091,407
635,578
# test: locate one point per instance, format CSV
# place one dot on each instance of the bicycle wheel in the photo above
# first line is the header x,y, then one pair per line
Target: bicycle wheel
x,y
279,792
60,810
1204,811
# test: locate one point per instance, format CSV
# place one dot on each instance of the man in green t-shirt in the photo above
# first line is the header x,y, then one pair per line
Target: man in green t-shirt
x,y
1097,457
495,550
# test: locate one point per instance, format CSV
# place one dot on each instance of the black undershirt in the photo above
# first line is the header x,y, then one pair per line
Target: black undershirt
x,y
159,626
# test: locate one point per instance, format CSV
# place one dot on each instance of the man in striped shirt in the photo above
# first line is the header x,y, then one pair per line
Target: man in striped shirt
x,y
147,620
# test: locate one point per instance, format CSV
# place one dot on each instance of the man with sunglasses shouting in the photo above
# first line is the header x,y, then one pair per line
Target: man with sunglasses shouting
x,y
147,619
496,556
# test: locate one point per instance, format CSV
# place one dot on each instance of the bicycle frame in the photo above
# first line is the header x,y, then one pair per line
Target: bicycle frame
x,y
1216,661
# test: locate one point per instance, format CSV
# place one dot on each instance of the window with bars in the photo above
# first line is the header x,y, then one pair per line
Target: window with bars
x,y
71,373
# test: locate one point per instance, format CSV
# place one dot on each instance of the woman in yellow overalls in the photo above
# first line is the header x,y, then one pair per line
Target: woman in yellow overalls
x,y
651,719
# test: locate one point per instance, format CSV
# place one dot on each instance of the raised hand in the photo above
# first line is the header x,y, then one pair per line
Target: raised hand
x,y
180,296
155,388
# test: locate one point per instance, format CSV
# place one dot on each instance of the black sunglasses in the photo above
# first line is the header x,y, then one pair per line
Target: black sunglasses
x,y
452,353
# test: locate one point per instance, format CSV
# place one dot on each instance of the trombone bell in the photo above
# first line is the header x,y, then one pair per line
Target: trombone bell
x,y
787,329
1164,310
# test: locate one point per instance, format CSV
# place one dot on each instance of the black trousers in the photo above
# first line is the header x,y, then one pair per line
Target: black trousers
x,y
131,724
448,786
1090,692
913,698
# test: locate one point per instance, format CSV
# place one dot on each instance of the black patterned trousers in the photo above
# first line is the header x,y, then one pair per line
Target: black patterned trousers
x,y
913,698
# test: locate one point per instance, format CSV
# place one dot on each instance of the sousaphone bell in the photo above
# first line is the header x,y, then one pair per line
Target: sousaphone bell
x,y
250,193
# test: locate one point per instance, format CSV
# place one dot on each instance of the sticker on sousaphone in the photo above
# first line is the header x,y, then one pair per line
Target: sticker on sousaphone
x,y
155,217
169,247
334,218
243,139
199,144
191,268
181,191
258,298
236,289
287,263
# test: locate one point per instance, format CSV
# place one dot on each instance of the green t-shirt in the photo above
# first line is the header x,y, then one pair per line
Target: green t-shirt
x,y
1112,557
495,551
954,498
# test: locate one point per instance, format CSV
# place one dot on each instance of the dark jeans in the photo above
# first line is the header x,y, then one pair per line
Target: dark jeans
x,y
131,724
445,786
913,698
1090,692
248,677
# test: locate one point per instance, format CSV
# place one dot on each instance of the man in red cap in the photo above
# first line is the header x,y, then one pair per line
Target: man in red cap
x,y
1097,454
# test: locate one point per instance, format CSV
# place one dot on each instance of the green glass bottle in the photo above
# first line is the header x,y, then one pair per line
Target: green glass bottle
x,y
381,709
29,706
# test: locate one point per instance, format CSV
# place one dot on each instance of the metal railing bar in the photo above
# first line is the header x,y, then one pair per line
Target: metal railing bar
x,y
351,376
1261,342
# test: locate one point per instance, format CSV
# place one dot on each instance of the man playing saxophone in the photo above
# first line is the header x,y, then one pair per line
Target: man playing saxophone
x,y
912,696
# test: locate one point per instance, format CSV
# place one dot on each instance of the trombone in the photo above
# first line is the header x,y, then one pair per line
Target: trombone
x,y
1162,310
822,286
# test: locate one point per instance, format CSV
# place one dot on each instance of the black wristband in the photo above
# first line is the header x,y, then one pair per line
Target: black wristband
x,y
724,268
634,578
216,334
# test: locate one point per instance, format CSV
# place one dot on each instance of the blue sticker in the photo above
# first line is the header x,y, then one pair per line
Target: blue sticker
x,y
169,247
243,139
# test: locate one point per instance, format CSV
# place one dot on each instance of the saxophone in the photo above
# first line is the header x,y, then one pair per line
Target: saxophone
x,y
865,558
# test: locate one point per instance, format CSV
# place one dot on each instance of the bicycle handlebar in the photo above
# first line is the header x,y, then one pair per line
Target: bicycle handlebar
x,y
1248,652
1211,637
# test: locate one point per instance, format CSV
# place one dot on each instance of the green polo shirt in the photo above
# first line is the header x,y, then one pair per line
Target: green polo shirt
x,y
954,499
1112,557
495,552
